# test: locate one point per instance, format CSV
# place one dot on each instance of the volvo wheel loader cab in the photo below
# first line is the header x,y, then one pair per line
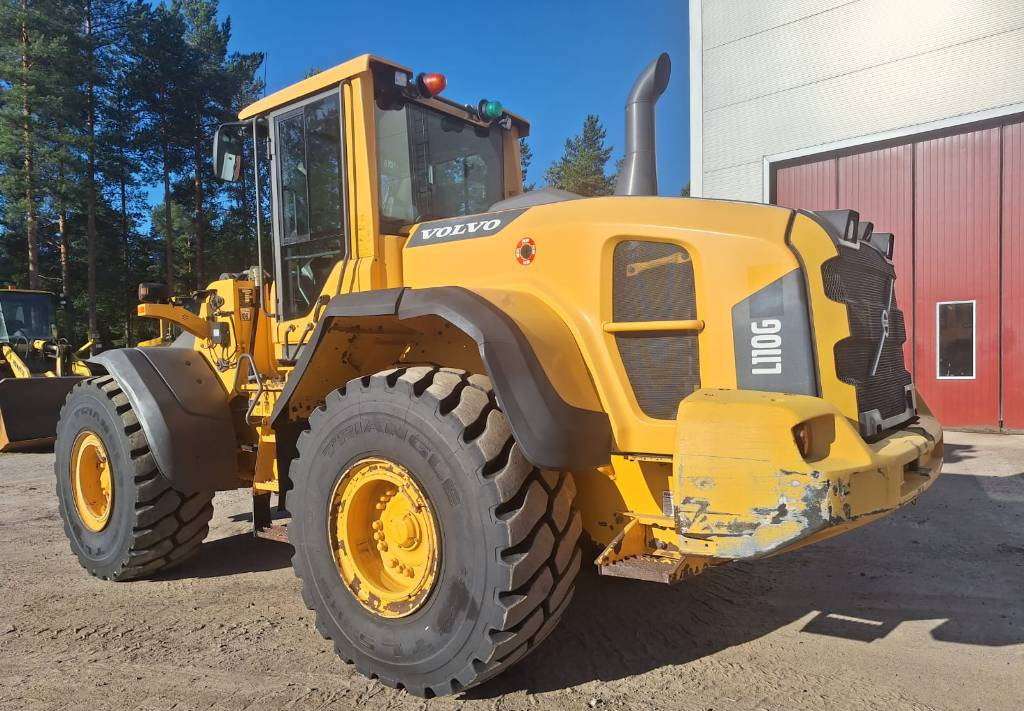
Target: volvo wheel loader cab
x,y
454,381
37,368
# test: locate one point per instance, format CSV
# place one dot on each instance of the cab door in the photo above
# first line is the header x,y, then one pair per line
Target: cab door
x,y
309,211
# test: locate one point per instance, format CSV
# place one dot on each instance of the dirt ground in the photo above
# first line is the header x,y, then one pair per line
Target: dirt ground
x,y
923,610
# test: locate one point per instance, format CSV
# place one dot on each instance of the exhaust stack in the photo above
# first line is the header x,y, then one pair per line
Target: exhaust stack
x,y
639,174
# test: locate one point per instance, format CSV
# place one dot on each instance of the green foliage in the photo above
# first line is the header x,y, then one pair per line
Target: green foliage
x,y
685,192
581,169
99,101
525,158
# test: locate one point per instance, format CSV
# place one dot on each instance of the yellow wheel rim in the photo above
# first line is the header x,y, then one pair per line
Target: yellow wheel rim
x,y
384,537
91,482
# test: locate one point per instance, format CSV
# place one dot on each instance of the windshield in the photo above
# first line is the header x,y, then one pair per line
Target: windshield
x,y
25,316
434,165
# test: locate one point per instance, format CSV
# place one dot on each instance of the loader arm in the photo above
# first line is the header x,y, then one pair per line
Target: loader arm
x,y
18,367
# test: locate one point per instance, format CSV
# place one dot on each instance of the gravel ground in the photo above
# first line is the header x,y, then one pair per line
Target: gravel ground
x,y
922,610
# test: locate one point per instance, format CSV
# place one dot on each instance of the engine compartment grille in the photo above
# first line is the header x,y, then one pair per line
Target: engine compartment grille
x,y
871,359
653,281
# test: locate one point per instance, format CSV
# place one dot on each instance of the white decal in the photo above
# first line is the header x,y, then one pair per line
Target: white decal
x,y
766,347
465,228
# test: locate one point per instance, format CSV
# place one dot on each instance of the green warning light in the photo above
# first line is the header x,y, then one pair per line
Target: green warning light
x,y
490,110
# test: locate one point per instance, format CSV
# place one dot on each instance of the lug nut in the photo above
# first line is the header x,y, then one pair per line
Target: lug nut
x,y
377,525
393,562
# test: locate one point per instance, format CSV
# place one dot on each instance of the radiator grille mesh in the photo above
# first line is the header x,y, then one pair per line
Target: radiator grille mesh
x,y
861,279
653,281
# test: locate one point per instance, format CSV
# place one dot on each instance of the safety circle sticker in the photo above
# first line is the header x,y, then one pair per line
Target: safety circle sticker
x,y
526,251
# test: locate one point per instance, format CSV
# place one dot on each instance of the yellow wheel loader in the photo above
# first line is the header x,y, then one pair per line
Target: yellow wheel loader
x,y
37,369
456,381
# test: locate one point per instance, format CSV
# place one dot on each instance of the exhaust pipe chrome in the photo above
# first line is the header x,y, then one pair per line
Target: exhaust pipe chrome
x,y
639,175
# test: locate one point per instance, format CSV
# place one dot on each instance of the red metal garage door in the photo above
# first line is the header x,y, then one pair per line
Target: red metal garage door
x,y
811,186
956,259
954,202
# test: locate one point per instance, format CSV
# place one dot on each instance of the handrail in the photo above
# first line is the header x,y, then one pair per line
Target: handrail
x,y
653,326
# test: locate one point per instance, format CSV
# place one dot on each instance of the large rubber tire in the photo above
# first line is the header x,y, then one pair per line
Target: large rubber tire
x,y
152,527
509,533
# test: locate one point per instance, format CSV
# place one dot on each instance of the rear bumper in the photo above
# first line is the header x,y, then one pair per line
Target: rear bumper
x,y
743,490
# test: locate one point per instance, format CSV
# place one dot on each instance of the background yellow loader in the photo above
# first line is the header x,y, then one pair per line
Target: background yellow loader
x,y
37,368
456,381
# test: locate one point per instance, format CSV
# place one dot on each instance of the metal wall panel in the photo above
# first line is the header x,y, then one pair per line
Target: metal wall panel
x,y
811,186
738,182
880,186
726,21
961,79
956,258
775,59
1013,281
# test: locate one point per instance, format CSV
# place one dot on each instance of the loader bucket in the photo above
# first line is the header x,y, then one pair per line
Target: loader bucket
x,y
29,408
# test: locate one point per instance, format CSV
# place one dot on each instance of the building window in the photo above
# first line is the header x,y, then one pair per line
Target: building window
x,y
955,340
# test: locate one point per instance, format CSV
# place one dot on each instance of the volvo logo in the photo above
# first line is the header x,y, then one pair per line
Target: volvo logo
x,y
885,331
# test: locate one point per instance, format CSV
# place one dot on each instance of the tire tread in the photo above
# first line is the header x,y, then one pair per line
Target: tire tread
x,y
168,526
541,555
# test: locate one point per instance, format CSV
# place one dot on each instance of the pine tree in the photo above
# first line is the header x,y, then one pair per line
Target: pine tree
x,y
32,45
581,169
99,98
101,36
525,159
161,61
219,78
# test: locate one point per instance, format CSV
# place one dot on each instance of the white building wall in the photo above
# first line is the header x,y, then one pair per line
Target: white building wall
x,y
784,76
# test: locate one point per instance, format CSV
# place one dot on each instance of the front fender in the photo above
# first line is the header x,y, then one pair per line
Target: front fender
x,y
184,412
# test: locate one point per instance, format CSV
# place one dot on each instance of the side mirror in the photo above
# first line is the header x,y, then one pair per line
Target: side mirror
x,y
153,293
227,153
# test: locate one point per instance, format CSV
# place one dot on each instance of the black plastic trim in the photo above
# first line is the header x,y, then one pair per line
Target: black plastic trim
x,y
183,411
815,356
552,433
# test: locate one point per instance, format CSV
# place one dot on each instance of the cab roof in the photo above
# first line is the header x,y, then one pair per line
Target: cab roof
x,y
332,77
316,83
11,289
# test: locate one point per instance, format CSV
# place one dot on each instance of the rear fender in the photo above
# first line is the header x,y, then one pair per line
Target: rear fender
x,y
553,433
184,412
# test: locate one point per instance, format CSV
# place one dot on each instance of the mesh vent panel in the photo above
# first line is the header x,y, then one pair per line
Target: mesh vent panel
x,y
860,278
653,281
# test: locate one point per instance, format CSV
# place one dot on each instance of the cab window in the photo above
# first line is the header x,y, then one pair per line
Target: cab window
x,y
311,218
432,165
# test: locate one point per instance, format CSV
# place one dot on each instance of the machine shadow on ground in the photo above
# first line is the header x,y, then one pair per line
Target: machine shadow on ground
x,y
234,555
914,565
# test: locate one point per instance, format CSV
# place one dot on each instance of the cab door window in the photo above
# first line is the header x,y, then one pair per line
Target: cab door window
x,y
310,212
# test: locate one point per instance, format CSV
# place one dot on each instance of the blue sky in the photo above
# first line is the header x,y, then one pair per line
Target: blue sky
x,y
552,62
